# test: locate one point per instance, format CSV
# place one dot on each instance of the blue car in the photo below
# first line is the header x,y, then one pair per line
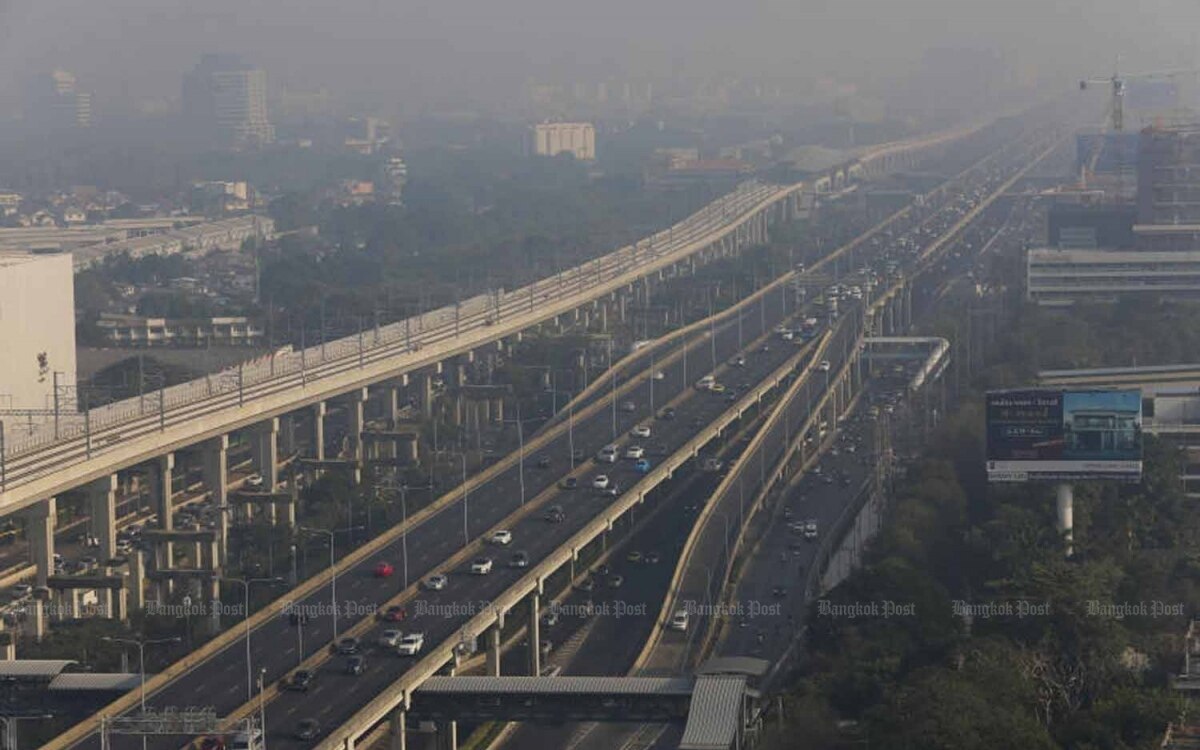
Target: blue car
x,y
642,465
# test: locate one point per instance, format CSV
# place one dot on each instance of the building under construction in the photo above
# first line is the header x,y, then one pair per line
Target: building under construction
x,y
1168,198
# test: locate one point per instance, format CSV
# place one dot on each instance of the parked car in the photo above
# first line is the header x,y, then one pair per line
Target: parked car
x,y
543,462
642,465
634,556
608,454
628,406
668,413
555,514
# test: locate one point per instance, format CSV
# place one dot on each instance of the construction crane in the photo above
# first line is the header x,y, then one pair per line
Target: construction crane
x,y
1115,113
1117,85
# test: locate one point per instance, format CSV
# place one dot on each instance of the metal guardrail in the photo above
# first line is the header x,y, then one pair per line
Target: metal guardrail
x,y
397,693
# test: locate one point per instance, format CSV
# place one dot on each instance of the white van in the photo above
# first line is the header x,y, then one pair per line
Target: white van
x,y
608,454
679,620
705,383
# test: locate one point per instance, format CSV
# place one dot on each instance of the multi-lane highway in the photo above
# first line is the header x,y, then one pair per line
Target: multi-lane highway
x,y
772,582
276,645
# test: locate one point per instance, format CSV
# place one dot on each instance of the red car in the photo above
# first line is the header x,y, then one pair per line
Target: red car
x,y
384,570
394,613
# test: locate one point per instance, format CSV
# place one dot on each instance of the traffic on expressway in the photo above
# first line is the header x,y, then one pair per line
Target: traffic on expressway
x,y
363,597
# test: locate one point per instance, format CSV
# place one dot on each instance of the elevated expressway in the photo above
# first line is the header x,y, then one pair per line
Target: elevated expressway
x,y
87,448
38,466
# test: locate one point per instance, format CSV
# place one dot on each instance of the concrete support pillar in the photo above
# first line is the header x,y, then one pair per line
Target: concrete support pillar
x,y
39,531
137,579
425,393
1065,496
493,651
163,489
535,637
287,434
102,495
355,410
216,478
318,436
397,732
265,452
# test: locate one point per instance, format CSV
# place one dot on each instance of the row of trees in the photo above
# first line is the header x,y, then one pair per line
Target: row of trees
x,y
1047,661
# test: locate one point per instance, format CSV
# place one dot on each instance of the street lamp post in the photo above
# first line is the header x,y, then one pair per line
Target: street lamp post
x,y
332,571
262,707
141,644
245,584
613,380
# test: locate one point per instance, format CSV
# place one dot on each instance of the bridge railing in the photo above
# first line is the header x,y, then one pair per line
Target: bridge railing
x,y
73,426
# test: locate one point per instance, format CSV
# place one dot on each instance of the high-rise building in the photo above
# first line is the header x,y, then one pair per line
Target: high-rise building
x,y
55,103
575,138
37,326
225,100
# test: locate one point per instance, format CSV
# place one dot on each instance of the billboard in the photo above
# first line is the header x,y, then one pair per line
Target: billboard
x,y
1064,435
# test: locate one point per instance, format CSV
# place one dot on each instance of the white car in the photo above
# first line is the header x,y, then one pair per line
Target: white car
x,y
435,582
810,529
608,454
254,481
410,645
823,366
641,431
635,452
502,537
481,566
600,482
390,638
660,375
679,620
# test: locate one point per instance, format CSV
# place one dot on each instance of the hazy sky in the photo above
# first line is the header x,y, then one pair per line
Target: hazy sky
x,y
446,49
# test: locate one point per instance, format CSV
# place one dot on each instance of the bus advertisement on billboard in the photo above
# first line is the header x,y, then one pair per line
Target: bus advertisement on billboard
x,y
1063,435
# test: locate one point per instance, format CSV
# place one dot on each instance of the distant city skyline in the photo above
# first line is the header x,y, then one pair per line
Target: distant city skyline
x,y
420,55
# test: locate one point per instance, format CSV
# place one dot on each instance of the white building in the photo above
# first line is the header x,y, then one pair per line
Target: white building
x,y
1063,277
133,330
37,330
575,138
